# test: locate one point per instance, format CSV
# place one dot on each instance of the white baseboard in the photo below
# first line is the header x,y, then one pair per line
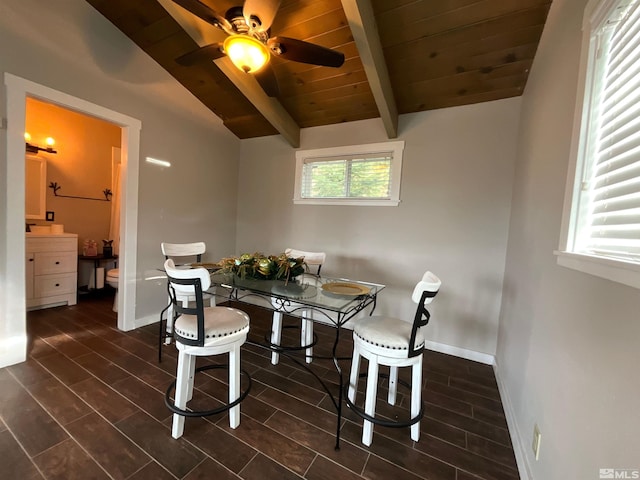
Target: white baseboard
x,y
13,350
522,463
460,352
144,321
516,438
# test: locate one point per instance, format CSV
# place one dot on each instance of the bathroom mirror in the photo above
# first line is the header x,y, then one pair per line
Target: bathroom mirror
x,y
35,187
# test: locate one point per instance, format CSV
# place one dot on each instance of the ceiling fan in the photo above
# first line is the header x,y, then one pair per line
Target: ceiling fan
x,y
248,43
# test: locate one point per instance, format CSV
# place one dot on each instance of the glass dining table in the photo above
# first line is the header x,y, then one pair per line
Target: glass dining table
x,y
329,300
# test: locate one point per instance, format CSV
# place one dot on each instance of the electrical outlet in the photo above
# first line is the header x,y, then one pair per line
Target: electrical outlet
x,y
537,436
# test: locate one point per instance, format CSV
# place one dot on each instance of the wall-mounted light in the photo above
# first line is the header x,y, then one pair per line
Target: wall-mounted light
x,y
35,148
247,53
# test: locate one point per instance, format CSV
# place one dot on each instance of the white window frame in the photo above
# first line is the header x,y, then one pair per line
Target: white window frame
x,y
619,270
394,148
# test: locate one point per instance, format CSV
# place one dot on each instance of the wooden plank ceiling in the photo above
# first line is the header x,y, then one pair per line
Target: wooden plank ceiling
x,y
435,54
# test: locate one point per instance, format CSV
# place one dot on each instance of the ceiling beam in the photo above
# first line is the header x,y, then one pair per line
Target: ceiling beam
x,y
269,107
203,34
365,34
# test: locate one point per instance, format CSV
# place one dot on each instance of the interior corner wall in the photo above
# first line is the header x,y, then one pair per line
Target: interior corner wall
x,y
453,217
78,52
568,351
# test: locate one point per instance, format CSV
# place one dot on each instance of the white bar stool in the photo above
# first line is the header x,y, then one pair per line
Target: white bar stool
x,y
306,328
394,343
203,331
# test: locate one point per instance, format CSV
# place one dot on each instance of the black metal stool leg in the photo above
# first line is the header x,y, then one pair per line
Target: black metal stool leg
x,y
161,333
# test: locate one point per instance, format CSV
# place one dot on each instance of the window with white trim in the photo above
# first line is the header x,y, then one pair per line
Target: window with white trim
x,y
603,228
351,175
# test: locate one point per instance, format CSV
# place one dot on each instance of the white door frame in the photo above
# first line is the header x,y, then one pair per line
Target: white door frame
x,y
18,89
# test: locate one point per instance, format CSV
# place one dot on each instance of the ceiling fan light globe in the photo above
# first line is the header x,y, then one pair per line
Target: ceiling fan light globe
x,y
246,53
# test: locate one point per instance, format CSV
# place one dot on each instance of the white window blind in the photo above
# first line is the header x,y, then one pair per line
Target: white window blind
x,y
351,175
611,191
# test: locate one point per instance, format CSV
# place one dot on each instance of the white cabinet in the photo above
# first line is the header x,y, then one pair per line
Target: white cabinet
x,y
29,272
51,270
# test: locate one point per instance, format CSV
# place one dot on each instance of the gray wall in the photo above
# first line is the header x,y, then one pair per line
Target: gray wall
x,y
568,342
68,46
453,219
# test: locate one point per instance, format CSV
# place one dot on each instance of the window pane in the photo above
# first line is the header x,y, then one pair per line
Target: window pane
x,y
348,178
613,220
324,179
370,178
350,175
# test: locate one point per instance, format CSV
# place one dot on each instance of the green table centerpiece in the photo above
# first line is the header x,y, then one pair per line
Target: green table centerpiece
x,y
264,267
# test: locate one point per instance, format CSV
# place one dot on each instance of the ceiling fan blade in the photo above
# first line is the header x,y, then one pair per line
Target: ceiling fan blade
x,y
267,79
207,14
305,52
262,10
201,55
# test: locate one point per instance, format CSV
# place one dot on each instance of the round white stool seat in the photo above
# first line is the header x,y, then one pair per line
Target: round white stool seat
x,y
221,325
388,334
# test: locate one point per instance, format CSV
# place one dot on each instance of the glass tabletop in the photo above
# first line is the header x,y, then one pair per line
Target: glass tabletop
x,y
334,294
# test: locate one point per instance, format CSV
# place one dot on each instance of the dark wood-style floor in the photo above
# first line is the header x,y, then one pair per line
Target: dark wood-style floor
x,y
89,404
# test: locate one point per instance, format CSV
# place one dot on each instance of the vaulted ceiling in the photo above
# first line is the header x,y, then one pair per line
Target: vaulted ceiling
x,y
401,56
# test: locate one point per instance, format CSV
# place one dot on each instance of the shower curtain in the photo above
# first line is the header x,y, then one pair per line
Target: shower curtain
x,y
114,229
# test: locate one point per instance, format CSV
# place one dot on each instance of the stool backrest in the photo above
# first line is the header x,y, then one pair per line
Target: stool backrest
x,y
310,258
423,294
188,282
173,250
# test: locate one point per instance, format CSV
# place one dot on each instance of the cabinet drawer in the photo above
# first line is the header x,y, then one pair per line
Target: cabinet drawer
x,y
55,262
50,285
52,243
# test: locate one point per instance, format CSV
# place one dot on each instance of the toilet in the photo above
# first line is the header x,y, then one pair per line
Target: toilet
x,y
113,278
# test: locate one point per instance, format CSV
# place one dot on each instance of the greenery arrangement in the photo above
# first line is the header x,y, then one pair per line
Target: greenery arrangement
x,y
264,267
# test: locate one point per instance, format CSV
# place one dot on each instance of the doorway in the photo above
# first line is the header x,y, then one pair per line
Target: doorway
x,y
81,188
18,89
